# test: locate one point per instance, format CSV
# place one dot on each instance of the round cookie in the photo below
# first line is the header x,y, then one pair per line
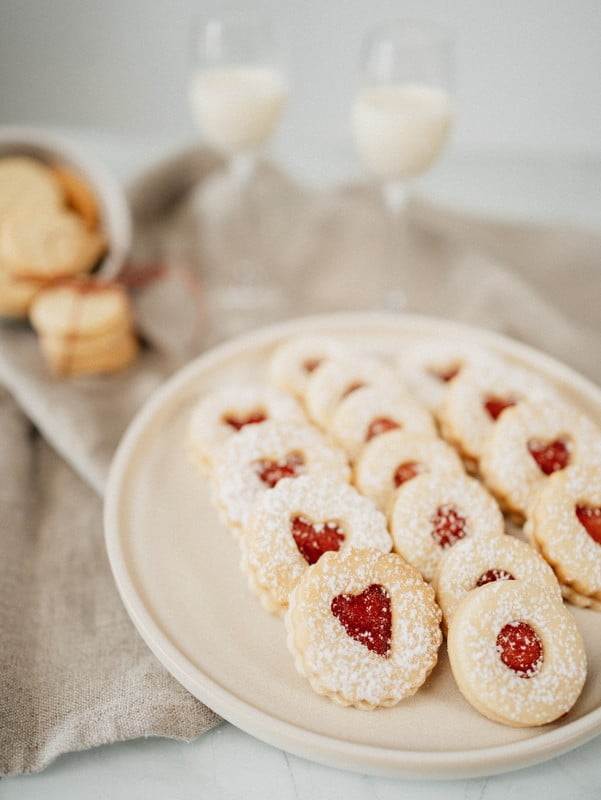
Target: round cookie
x,y
78,194
337,378
516,653
227,410
393,458
530,442
477,398
429,366
291,526
260,455
26,183
104,360
433,512
364,628
16,295
565,525
475,562
292,362
370,411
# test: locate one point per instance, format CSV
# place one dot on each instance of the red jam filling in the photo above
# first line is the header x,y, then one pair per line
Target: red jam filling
x,y
314,540
352,388
404,472
366,617
590,518
446,374
448,526
380,425
520,649
270,472
496,405
550,456
494,574
311,364
237,423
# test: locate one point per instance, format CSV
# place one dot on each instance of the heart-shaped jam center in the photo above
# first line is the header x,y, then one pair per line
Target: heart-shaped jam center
x,y
495,405
590,518
550,456
494,574
404,472
237,422
352,387
448,526
380,425
445,374
520,649
270,471
311,364
366,617
314,540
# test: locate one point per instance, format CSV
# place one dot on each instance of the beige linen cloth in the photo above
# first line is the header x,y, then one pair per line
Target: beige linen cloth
x,y
73,671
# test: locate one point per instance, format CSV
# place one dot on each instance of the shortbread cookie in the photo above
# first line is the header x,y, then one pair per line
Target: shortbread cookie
x,y
477,561
296,359
434,511
516,653
390,460
370,411
337,378
80,308
78,194
477,398
101,362
529,443
224,412
566,526
363,627
26,183
293,525
261,455
50,244
429,366
16,295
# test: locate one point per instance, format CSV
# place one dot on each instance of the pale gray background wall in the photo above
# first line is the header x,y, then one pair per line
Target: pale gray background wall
x,y
528,72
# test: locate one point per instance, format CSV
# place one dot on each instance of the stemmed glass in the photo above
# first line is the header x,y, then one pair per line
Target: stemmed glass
x,y
236,92
401,118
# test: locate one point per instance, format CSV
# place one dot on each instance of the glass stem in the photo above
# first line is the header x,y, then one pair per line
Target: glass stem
x,y
394,295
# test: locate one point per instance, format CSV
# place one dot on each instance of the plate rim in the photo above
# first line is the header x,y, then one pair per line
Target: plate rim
x,y
277,731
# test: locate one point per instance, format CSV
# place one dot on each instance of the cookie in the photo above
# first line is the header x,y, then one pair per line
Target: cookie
x,y
370,411
16,295
335,379
477,398
78,195
565,524
516,653
432,512
529,443
390,460
364,628
295,523
224,412
477,561
26,183
104,360
293,361
48,245
80,308
260,455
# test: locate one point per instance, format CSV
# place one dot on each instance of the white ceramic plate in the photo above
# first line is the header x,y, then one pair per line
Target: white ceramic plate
x,y
176,568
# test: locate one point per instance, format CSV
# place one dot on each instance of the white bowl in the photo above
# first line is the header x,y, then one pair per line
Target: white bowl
x,y
115,216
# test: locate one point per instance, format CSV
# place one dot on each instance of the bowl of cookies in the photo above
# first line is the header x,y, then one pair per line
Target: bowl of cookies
x,y
62,217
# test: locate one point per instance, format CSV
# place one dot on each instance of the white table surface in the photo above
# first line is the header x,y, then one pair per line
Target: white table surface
x,y
227,763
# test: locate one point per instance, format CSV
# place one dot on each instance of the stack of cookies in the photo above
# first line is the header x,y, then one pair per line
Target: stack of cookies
x,y
85,327
49,230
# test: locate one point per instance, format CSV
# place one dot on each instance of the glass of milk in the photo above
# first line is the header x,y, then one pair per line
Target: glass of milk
x,y
402,115
236,93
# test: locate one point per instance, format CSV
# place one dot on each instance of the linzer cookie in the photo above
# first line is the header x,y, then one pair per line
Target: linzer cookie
x,y
293,525
364,628
224,412
335,379
390,460
292,363
260,456
529,443
432,512
565,524
516,653
372,410
477,561
478,397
